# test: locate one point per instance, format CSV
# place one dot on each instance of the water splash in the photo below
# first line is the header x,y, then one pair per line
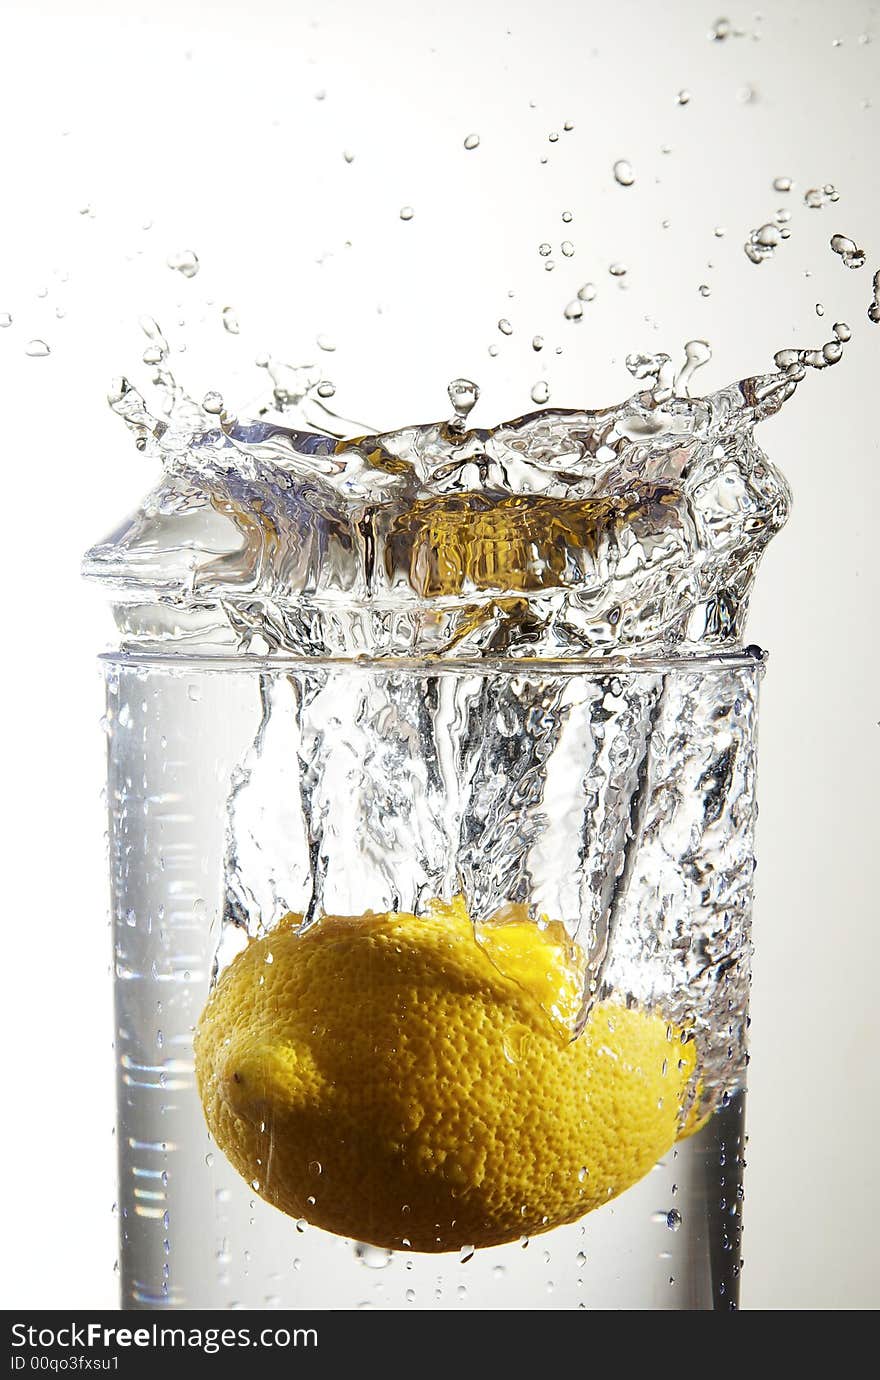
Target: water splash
x,y
632,529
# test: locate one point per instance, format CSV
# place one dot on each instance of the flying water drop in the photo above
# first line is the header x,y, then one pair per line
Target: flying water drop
x,y
185,262
623,173
463,394
848,251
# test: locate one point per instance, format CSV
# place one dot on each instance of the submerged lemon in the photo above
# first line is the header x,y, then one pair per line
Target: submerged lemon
x,y
390,1079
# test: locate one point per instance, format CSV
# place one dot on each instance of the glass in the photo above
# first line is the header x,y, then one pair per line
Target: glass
x,y
616,797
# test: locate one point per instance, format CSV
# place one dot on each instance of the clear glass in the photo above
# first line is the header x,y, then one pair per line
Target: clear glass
x,y
618,799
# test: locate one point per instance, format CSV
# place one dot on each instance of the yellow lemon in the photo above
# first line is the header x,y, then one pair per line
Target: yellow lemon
x,y
393,1080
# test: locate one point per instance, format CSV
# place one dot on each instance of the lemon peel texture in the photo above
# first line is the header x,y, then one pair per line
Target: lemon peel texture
x,y
390,1079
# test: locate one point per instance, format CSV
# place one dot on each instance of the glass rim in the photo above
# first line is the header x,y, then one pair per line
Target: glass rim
x,y
751,657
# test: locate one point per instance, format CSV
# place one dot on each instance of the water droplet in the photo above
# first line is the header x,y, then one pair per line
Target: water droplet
x,y
722,29
301,1224
567,248
817,197
505,327
574,310
782,184
472,141
209,1160
705,290
553,137
213,403
588,292
37,349
185,262
683,97
696,354
410,1296
848,251
764,241
466,1253
719,232
540,392
463,394
406,213
747,95
617,270
673,1219
874,308
544,249
568,126
537,342
567,217
623,173
5,319
325,389
549,265
348,155
373,1257
842,331
230,320
498,1272
461,1291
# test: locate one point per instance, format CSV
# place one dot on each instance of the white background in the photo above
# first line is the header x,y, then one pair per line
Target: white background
x,y
207,124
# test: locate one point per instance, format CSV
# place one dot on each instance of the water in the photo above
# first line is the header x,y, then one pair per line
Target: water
x,y
417,784
370,674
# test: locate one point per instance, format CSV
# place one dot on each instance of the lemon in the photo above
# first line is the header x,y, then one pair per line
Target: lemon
x,y
393,1080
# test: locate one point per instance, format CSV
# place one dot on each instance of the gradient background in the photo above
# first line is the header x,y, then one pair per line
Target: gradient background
x,y
224,131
